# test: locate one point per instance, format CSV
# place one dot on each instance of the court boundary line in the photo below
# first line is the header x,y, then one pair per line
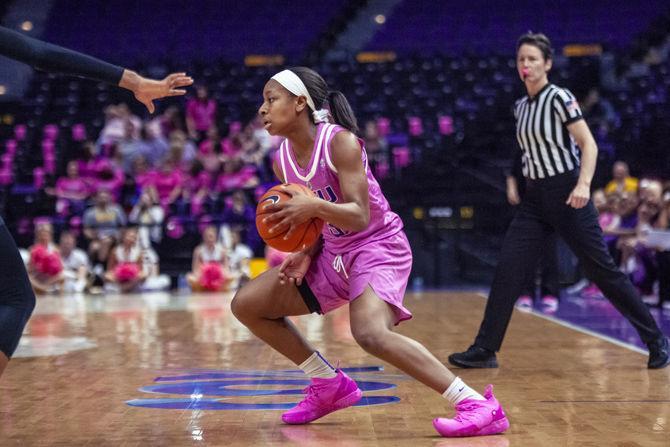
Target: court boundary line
x,y
581,329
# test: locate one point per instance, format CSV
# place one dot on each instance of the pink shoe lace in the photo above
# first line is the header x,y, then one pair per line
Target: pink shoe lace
x,y
312,395
464,411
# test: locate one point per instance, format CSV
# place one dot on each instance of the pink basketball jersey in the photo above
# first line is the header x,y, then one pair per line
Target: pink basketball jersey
x,y
320,176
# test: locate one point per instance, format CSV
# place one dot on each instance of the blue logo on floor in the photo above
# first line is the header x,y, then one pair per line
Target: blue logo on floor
x,y
240,389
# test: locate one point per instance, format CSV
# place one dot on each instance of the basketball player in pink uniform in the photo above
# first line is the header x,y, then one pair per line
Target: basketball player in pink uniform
x,y
363,259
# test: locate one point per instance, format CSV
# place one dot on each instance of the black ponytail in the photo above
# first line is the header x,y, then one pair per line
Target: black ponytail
x,y
317,87
342,112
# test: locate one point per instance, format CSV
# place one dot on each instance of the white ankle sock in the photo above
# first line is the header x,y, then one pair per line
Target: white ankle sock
x,y
459,391
317,367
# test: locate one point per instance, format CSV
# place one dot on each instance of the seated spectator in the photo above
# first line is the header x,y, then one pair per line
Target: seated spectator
x,y
75,264
189,150
239,257
155,281
637,259
210,270
231,146
130,265
235,176
141,174
240,213
167,182
71,192
200,114
210,151
212,144
252,152
607,218
650,190
107,176
102,225
169,121
155,147
120,124
45,268
148,216
621,180
205,184
150,145
88,160
105,218
199,189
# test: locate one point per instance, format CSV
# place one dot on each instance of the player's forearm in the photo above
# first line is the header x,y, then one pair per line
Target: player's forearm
x,y
130,80
56,59
347,216
588,162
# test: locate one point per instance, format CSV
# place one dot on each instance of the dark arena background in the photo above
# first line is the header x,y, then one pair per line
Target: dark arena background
x,y
433,84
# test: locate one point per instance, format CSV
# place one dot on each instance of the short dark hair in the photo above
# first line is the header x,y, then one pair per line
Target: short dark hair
x,y
538,40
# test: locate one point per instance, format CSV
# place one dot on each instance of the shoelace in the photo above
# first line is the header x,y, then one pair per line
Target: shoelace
x,y
312,392
463,412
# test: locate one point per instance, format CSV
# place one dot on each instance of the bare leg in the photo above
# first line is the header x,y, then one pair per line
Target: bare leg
x,y
263,304
372,321
3,362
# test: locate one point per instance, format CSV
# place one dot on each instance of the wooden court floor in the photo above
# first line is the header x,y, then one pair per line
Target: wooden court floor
x,y
165,370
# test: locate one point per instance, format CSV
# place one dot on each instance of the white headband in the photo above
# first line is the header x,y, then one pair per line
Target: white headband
x,y
291,82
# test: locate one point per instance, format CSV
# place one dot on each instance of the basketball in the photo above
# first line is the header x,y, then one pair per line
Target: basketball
x,y
305,235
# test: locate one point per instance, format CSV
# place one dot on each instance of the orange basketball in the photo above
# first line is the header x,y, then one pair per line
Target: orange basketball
x,y
305,235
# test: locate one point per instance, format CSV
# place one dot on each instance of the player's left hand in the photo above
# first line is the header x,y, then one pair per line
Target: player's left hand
x,y
579,196
290,213
149,89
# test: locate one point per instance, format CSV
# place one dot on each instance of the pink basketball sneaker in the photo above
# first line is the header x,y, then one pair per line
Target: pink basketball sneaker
x,y
474,418
324,396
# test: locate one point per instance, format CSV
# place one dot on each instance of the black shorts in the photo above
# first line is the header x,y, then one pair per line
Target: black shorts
x,y
309,298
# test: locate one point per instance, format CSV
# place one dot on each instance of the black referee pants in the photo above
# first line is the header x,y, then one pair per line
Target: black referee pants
x,y
542,210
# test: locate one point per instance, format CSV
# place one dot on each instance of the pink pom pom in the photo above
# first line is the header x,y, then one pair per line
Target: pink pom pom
x,y
212,277
52,265
38,254
126,272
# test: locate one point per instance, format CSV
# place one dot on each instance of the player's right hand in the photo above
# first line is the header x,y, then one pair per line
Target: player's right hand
x,y
294,267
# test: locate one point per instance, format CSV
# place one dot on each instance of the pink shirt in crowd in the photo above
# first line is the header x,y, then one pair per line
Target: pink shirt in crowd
x,y
66,186
166,182
202,113
235,180
202,180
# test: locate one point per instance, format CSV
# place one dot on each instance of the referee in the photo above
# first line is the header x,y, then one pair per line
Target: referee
x,y
551,130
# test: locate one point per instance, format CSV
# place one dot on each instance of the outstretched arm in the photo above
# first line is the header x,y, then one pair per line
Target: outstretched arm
x,y
53,58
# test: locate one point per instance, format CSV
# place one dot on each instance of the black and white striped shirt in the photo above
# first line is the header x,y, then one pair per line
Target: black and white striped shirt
x,y
541,129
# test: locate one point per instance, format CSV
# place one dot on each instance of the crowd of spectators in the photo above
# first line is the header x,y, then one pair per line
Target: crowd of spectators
x,y
122,191
634,215
191,167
